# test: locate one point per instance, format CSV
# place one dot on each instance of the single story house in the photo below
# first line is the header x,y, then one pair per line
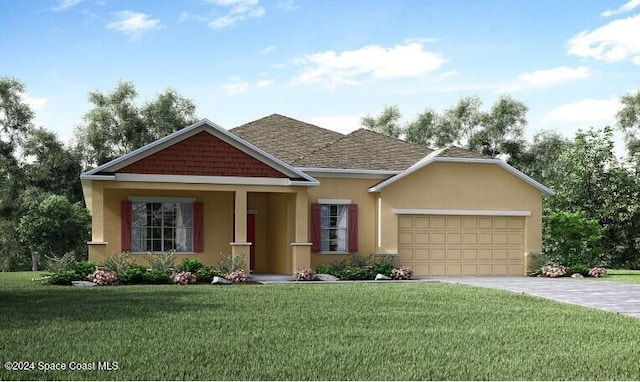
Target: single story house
x,y
288,195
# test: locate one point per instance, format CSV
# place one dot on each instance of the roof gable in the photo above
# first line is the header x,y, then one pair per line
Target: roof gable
x,y
365,149
284,137
193,147
447,155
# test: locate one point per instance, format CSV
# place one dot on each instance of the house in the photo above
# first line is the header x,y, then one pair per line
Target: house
x,y
288,195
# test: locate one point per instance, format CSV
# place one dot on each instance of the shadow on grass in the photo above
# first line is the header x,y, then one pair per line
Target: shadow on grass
x,y
29,307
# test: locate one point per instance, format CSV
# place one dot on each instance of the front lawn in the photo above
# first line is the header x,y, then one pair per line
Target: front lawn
x,y
622,275
369,331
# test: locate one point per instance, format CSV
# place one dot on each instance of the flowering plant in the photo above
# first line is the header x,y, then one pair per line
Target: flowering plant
x,y
553,270
183,278
238,276
401,273
597,272
304,274
102,277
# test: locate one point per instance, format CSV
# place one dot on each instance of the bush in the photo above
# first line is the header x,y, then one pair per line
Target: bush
x,y
553,270
206,274
572,239
390,258
238,276
231,263
384,267
162,261
61,277
326,269
304,274
134,274
118,262
183,278
102,277
338,266
190,265
361,261
55,264
356,273
155,276
402,273
597,272
580,269
83,269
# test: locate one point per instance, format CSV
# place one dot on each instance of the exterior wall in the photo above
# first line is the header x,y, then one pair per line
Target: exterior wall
x,y
356,191
278,233
460,186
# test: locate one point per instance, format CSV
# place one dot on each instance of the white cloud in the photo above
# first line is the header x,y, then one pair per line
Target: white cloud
x,y
629,6
264,83
63,5
268,49
341,123
587,110
133,23
235,86
237,11
287,5
615,41
421,40
35,103
546,78
409,60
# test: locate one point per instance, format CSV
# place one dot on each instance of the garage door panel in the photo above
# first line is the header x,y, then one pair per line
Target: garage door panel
x,y
462,245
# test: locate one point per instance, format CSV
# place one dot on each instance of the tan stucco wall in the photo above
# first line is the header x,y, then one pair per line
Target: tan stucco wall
x,y
356,191
461,186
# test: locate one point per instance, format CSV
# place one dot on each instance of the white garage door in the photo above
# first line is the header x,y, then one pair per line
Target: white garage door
x,y
436,245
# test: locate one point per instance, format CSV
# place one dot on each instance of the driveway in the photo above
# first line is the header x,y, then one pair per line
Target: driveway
x,y
606,295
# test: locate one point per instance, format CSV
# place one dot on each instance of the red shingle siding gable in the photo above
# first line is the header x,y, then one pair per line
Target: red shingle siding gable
x,y
204,155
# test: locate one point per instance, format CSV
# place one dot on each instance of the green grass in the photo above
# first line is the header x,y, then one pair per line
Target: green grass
x,y
623,276
366,331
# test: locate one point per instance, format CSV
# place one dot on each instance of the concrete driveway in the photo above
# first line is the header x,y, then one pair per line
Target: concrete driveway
x,y
606,295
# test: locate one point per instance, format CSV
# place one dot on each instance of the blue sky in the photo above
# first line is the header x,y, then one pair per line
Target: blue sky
x,y
327,62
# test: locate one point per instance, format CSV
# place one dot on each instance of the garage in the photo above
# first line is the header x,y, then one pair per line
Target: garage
x,y
454,245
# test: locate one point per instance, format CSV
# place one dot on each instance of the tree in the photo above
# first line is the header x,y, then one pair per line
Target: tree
x,y
387,122
50,166
540,158
55,226
427,130
504,122
463,121
15,115
117,125
629,121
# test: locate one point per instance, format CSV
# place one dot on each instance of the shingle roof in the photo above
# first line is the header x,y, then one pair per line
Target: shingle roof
x,y
457,152
285,138
365,149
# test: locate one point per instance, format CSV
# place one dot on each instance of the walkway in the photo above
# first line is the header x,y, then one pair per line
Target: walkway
x,y
606,295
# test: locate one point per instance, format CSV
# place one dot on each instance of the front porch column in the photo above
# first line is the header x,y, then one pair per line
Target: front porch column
x,y
240,245
301,247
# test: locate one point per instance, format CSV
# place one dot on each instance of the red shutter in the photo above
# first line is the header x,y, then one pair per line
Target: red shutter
x,y
198,230
315,227
125,225
353,228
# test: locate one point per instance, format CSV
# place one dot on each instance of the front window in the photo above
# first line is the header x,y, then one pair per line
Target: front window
x,y
161,226
334,231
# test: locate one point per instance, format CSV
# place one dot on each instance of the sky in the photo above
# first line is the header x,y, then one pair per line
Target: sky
x,y
326,62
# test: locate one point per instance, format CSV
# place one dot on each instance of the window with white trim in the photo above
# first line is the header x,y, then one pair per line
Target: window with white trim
x,y
161,226
334,231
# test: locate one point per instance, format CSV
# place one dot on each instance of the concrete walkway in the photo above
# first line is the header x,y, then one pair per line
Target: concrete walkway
x,y
606,295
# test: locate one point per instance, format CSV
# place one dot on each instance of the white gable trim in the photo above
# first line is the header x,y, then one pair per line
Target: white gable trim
x,y
431,158
189,131
428,211
256,181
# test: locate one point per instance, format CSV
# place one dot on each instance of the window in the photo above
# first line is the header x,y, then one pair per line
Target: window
x,y
161,227
334,227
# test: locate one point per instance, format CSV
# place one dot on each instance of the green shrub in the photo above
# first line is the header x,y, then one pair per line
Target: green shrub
x,y
390,258
572,239
206,274
356,273
231,263
383,267
134,274
326,269
155,276
338,265
190,265
63,263
118,262
83,269
361,261
579,268
162,261
62,277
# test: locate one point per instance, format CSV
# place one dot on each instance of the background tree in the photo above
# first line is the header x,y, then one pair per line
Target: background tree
x,y
427,130
629,121
504,122
540,158
387,122
117,125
